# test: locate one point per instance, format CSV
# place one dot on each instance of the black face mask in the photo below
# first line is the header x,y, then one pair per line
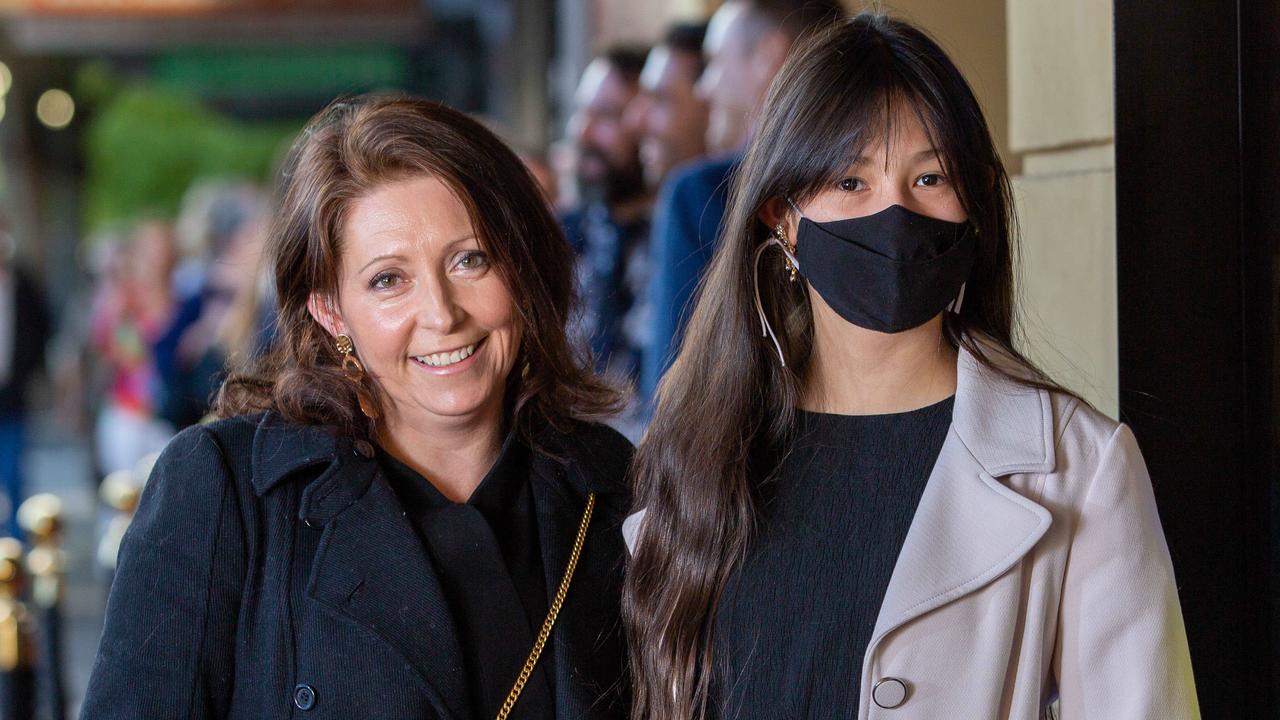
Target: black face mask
x,y
889,272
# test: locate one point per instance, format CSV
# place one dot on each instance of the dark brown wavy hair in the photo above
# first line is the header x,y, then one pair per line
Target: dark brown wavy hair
x,y
347,150
727,397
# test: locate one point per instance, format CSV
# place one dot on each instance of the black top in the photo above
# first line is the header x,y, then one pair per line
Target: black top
x,y
796,617
486,554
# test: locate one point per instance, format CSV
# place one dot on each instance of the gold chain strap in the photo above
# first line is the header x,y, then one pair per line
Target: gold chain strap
x,y
552,613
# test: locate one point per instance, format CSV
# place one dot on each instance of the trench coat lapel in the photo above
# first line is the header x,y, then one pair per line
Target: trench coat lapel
x,y
580,646
371,568
969,527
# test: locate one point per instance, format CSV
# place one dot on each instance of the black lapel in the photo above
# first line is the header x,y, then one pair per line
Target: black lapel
x,y
372,569
586,645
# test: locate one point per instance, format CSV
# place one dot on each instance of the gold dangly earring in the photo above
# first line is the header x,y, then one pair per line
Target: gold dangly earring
x,y
353,371
782,238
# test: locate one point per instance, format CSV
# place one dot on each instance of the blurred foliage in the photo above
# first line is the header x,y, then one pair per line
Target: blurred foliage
x,y
322,72
145,144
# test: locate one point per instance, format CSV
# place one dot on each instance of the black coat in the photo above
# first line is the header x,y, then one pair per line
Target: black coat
x,y
270,567
31,331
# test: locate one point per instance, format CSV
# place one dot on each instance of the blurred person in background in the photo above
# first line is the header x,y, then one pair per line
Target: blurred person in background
x,y
545,175
609,229
562,161
133,308
221,226
669,117
249,329
24,332
746,43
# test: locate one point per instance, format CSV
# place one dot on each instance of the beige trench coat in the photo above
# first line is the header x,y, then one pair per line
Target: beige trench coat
x,y
1035,566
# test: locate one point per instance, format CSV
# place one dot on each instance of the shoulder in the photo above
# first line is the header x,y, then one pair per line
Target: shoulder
x,y
1091,444
232,432
1079,427
603,454
263,449
205,460
704,175
571,223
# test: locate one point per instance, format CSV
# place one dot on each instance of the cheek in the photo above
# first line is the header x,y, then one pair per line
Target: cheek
x,y
622,140
492,307
657,120
379,330
954,210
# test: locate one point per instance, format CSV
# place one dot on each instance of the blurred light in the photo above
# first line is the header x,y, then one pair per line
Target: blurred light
x,y
55,108
2,104
6,78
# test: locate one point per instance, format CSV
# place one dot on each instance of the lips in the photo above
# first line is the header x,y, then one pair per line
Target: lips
x,y
450,357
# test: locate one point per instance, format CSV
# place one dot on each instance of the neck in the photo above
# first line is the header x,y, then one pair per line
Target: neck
x,y
452,454
855,371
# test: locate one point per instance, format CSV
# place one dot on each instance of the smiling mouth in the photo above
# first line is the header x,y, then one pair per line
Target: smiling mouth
x,y
445,359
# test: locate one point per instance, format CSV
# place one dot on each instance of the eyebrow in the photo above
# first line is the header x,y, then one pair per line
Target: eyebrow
x,y
397,256
926,154
380,258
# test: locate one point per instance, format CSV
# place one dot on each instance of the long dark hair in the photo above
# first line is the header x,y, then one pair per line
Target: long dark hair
x,y
727,396
347,150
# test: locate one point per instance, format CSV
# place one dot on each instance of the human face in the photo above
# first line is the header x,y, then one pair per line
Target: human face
x,y
902,169
606,146
670,119
430,318
152,253
905,170
731,83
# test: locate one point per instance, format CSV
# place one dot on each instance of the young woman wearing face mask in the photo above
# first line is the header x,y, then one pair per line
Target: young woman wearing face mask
x,y
861,501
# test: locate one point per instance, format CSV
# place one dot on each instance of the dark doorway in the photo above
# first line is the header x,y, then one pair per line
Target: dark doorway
x,y
1198,247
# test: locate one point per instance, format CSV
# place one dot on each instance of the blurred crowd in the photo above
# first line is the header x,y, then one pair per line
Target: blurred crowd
x,y
173,302
141,348
639,181
655,136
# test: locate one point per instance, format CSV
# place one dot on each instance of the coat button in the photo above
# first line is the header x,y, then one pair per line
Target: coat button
x,y
304,697
889,693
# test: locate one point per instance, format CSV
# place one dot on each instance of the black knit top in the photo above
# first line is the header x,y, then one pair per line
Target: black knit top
x,y
486,555
796,618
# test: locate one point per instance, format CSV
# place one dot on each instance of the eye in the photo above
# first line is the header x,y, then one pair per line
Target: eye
x,y
931,180
384,281
850,184
473,260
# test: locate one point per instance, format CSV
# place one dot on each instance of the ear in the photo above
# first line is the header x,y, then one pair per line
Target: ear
x,y
322,311
775,212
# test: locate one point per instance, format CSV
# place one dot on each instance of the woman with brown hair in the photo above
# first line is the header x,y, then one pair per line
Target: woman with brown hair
x,y
860,500
407,511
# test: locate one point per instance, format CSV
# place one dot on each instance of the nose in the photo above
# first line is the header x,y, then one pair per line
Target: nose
x,y
899,193
706,83
438,310
577,129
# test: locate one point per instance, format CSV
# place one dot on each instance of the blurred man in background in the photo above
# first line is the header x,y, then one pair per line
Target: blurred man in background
x,y
746,44
610,227
667,114
24,331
